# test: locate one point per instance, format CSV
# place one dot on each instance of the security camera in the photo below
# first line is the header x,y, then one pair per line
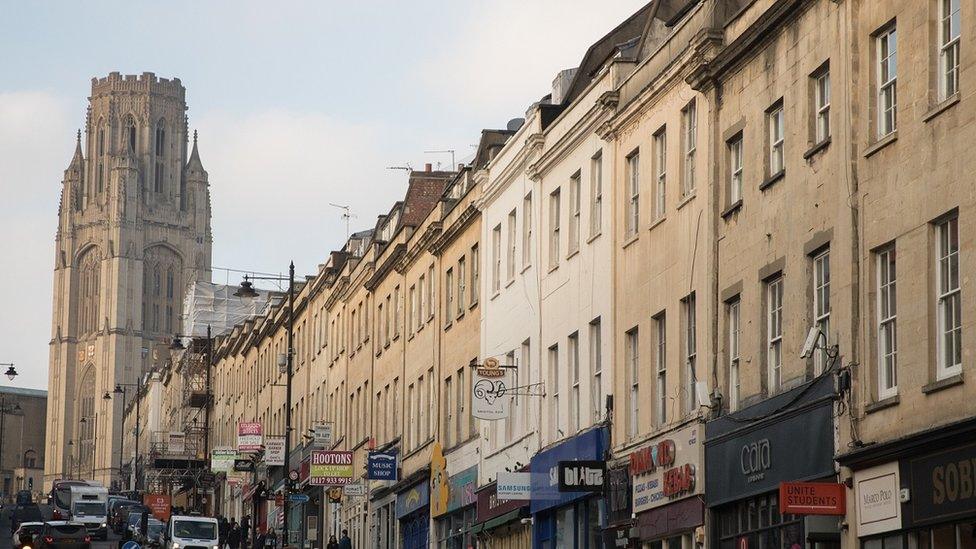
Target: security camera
x,y
810,344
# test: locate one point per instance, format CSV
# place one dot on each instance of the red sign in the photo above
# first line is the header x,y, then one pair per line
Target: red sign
x,y
159,505
812,498
679,480
647,460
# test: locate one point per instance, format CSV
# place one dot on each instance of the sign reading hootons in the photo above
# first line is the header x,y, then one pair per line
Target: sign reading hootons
x,y
330,468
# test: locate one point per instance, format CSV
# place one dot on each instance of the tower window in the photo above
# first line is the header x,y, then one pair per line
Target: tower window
x,y
130,134
160,140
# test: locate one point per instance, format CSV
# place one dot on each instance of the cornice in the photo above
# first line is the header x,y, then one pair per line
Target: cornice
x,y
420,247
586,125
386,267
464,219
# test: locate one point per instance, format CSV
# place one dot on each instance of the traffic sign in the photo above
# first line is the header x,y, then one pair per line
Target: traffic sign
x,y
298,498
293,475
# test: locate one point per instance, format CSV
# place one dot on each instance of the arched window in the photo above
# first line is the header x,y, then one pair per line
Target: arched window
x,y
89,266
161,306
160,139
130,134
30,459
100,146
100,177
169,283
86,417
156,282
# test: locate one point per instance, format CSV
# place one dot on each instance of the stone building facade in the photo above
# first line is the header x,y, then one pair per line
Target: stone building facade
x,y
22,441
133,232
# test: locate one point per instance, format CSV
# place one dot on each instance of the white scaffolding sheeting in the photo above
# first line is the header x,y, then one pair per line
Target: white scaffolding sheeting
x,y
216,305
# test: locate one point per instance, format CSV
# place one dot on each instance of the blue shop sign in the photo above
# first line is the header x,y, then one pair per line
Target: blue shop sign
x,y
589,445
413,498
381,465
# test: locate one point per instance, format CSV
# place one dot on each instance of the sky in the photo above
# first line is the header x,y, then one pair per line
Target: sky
x,y
297,104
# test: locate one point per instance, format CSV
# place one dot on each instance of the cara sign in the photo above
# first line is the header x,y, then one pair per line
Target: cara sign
x,y
330,468
249,436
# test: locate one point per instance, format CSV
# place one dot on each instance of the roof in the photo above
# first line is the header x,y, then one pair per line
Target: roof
x,y
23,391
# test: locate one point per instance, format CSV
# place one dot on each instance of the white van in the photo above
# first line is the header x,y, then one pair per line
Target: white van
x,y
89,507
190,532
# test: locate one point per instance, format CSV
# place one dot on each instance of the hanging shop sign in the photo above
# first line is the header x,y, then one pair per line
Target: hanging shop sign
x,y
667,470
490,391
222,459
461,488
588,445
322,435
492,504
356,489
249,436
330,468
381,465
176,443
788,447
618,497
412,499
876,493
514,486
582,476
334,494
439,488
243,466
274,451
812,498
943,485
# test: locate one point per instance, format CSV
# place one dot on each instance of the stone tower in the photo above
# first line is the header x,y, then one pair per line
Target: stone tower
x,y
133,233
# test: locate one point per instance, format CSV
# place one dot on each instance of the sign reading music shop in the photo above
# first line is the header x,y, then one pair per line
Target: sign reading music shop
x,y
330,468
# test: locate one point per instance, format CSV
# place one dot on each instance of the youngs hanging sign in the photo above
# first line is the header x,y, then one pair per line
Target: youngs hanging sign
x,y
490,388
666,470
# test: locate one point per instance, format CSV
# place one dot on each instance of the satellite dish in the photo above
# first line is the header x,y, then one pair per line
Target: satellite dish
x,y
514,124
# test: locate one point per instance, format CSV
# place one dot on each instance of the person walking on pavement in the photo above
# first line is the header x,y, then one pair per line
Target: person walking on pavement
x,y
234,535
344,541
245,531
333,544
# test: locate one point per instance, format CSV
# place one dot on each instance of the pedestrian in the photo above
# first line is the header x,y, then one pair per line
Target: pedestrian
x,y
271,540
234,535
344,541
259,542
245,530
333,544
223,528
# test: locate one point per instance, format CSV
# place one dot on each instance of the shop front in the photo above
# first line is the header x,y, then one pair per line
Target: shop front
x,y
413,514
923,493
787,438
667,488
569,518
500,522
452,503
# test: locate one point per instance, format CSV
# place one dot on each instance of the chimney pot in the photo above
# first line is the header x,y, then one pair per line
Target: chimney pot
x,y
427,167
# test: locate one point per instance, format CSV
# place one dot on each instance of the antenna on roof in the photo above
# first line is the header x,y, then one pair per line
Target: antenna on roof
x,y
346,215
405,167
445,151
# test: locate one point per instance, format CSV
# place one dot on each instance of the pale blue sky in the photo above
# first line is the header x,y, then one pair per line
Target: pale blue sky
x,y
298,104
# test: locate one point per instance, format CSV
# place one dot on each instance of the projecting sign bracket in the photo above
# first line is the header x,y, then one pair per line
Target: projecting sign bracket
x,y
530,390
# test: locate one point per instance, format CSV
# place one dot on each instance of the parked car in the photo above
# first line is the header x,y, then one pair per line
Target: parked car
x,y
24,535
119,514
153,537
63,535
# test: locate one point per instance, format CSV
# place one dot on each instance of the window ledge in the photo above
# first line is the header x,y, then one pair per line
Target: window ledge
x,y
816,148
460,315
882,404
881,143
733,208
509,282
473,305
418,448
691,196
495,294
937,386
941,107
448,326
630,240
395,337
526,267
772,179
659,220
594,237
572,253
386,345
553,268
410,337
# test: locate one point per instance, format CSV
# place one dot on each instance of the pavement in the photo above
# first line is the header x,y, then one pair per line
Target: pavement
x,y
6,539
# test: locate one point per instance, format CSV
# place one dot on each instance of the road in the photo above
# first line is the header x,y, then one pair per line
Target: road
x,y
6,539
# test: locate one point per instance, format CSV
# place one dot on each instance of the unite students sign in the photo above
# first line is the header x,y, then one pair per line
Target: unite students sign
x,y
812,498
330,468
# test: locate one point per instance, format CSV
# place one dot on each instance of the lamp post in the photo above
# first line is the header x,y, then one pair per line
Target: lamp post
x,y
121,389
94,418
247,291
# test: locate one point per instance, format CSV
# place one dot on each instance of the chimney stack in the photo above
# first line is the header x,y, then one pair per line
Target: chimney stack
x,y
427,167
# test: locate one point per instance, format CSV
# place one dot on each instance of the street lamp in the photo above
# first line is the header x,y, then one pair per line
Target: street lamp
x,y
120,389
247,291
94,419
11,372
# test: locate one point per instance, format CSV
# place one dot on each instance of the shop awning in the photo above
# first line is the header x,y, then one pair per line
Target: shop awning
x,y
502,520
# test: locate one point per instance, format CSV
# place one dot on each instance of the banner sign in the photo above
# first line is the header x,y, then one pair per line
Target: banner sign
x,y
176,443
274,451
222,459
812,498
517,486
876,493
381,465
249,436
159,505
667,469
330,468
489,391
582,476
322,435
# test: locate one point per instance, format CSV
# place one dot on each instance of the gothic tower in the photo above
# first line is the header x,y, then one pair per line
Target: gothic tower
x,y
133,233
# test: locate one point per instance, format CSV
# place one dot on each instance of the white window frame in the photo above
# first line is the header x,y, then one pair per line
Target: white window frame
x,y
691,350
633,193
496,259
821,307
555,199
735,334
690,121
510,251
887,52
596,369
777,139
449,293
735,170
461,283
948,298
887,323
527,231
574,213
596,194
475,274
633,371
661,366
661,177
774,333
949,47
554,397
821,98
574,373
